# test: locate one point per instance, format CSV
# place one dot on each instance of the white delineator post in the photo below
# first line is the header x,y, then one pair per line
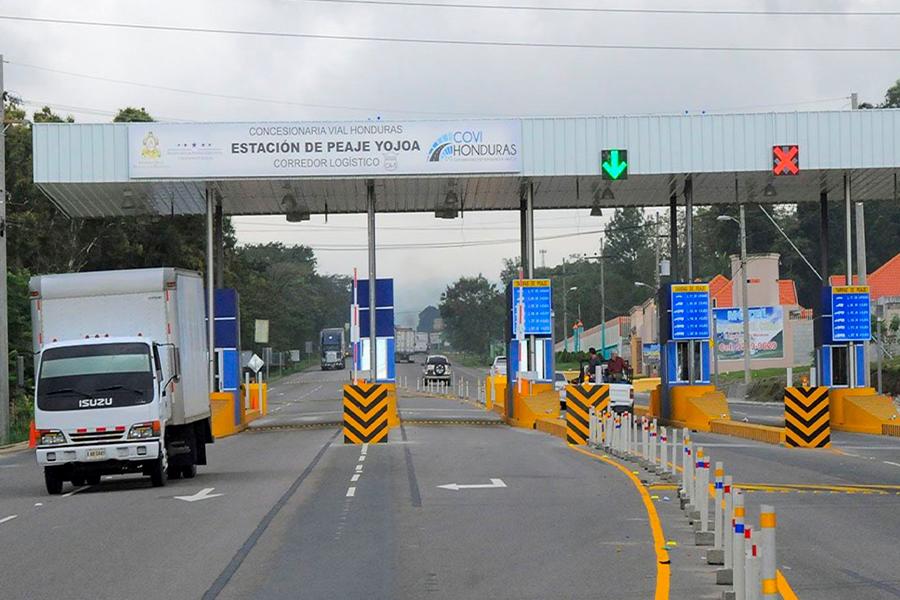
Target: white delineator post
x,y
645,438
696,467
719,485
592,426
686,461
663,451
738,558
653,443
767,523
728,522
673,464
703,494
751,567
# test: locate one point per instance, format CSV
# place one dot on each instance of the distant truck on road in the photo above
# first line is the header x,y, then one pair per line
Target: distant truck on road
x,y
332,348
408,342
121,379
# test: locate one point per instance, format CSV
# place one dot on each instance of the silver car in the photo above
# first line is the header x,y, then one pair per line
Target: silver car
x,y
437,368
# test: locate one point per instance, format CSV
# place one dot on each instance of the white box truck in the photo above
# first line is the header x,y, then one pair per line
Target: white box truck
x,y
121,380
404,344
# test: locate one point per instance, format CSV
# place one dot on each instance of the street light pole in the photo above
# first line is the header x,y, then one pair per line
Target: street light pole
x,y
602,302
565,310
4,330
745,311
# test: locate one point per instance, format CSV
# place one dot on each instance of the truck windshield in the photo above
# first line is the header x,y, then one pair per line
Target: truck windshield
x,y
95,376
331,340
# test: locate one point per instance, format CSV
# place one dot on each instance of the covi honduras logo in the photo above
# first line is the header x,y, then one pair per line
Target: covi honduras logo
x,y
469,145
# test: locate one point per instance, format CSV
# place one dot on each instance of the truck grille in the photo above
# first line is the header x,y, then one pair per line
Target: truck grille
x,y
96,436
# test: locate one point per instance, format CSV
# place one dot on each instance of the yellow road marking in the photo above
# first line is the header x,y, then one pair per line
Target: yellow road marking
x,y
784,588
663,566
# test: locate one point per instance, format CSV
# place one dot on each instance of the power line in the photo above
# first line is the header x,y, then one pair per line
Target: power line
x,y
224,96
452,42
638,11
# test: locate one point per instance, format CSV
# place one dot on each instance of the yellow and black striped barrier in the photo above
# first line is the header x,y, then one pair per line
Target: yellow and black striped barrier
x,y
807,420
365,413
579,400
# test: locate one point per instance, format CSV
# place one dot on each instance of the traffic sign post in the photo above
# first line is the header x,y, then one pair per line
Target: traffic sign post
x,y
614,164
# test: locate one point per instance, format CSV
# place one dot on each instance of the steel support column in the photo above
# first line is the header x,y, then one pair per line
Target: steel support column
x,y
689,252
219,240
673,236
745,300
861,273
373,333
848,236
210,290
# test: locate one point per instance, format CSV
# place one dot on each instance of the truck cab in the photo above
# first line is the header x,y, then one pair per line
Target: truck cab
x,y
101,407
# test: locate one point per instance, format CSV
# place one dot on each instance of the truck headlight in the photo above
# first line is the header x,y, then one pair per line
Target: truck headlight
x,y
52,437
144,430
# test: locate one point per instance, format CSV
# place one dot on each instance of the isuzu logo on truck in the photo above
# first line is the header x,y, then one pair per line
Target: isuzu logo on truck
x,y
94,402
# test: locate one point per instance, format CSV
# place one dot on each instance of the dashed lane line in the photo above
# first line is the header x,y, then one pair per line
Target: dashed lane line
x,y
359,468
351,491
362,458
7,519
355,477
893,464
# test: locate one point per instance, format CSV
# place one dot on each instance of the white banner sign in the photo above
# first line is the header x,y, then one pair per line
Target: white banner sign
x,y
363,148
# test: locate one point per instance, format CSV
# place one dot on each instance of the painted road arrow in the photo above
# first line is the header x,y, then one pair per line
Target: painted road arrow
x,y
495,483
614,167
203,494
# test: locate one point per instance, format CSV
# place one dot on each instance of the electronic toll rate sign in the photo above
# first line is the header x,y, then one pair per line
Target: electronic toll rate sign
x,y
850,313
690,311
536,296
614,164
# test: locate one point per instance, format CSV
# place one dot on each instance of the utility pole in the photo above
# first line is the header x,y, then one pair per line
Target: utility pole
x,y
861,273
602,301
745,310
4,327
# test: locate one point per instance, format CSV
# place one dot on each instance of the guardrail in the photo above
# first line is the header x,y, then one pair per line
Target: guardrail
x,y
747,555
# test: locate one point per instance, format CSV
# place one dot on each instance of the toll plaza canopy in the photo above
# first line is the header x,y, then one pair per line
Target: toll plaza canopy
x,y
124,169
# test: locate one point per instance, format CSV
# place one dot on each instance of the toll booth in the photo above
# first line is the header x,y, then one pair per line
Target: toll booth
x,y
844,327
529,333
386,371
685,318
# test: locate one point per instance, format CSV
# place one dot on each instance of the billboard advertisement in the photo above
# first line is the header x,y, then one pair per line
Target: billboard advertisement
x,y
323,149
766,332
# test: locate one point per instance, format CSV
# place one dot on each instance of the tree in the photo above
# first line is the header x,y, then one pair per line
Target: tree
x,y
130,114
472,309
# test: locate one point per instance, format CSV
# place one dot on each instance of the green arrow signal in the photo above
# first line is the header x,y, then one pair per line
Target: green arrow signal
x,y
613,167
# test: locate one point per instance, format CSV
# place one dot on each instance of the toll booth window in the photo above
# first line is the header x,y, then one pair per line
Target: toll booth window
x,y
840,367
682,369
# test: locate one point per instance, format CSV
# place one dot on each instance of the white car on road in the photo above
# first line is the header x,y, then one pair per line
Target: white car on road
x,y
499,366
437,368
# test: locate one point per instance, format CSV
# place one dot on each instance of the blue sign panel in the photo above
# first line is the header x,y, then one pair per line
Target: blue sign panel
x,y
850,313
690,311
537,297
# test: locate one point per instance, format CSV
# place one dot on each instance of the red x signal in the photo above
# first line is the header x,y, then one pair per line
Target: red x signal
x,y
786,160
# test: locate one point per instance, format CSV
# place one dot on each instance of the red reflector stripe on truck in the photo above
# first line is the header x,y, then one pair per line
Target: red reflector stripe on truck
x,y
120,428
101,429
81,430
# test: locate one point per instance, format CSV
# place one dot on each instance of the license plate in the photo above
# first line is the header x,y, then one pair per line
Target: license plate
x,y
96,454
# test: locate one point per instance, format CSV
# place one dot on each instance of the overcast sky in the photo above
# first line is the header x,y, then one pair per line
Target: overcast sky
x,y
335,79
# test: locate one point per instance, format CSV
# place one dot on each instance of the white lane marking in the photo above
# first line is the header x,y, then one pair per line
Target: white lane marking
x,y
362,457
75,491
6,519
38,503
203,494
365,449
355,477
495,483
351,491
893,464
359,468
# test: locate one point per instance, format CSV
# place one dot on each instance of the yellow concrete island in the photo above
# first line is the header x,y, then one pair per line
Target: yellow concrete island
x,y
696,406
862,410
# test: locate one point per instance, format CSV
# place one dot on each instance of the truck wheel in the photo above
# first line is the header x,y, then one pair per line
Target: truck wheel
x,y
189,471
53,481
92,478
159,470
78,480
